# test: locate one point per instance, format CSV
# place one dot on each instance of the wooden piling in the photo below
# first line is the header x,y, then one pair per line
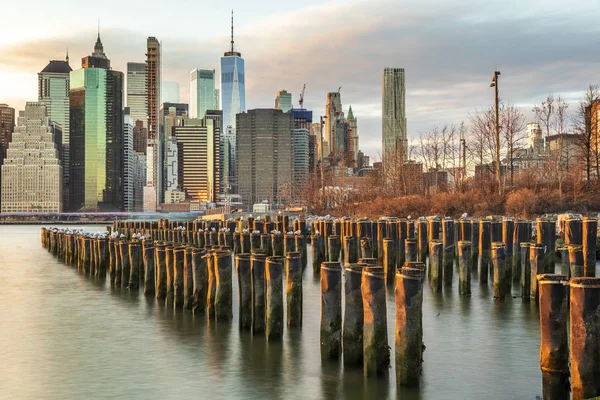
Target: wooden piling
x,y
408,333
293,288
464,268
376,351
331,310
352,335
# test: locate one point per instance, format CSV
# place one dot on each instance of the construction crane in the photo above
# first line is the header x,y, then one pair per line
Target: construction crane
x,y
301,101
340,88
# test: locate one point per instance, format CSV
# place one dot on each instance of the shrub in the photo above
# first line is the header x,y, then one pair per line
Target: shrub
x,y
522,203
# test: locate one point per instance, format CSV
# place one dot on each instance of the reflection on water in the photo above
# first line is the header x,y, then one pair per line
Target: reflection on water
x,y
66,335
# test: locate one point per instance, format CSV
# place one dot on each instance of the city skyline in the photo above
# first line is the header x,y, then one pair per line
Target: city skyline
x,y
419,39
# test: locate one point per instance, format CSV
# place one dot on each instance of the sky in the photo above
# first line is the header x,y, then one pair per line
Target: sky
x,y
448,48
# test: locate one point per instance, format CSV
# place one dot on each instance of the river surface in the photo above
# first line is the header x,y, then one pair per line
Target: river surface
x,y
64,335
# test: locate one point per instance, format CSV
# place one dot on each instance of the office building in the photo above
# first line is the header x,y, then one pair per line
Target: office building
x,y
203,95
198,159
139,180
301,134
313,145
335,129
352,140
53,92
96,135
169,92
394,135
128,174
283,101
233,84
154,154
265,156
32,174
7,127
137,93
140,137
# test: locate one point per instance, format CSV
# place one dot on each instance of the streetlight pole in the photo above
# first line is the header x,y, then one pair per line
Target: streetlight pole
x,y
494,84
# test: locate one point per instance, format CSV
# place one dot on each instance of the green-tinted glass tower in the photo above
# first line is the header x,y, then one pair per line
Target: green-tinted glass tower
x,y
96,137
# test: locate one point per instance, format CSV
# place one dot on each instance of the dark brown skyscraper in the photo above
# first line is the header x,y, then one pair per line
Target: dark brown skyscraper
x,y
154,163
140,137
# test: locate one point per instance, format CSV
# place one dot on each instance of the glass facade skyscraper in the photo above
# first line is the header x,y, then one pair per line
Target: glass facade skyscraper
x,y
203,96
233,87
394,137
169,92
283,101
137,93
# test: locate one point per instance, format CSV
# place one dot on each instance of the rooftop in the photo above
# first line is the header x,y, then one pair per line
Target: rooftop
x,y
58,67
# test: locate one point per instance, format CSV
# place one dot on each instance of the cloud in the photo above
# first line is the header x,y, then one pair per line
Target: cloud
x,y
449,50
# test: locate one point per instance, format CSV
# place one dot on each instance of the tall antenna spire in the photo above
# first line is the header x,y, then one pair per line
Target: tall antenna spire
x,y
232,30
98,27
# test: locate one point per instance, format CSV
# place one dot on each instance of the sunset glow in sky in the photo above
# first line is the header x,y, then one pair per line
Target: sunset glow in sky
x,y
449,49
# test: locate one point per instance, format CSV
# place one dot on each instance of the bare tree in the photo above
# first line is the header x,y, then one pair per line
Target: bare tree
x,y
586,125
513,125
545,113
482,145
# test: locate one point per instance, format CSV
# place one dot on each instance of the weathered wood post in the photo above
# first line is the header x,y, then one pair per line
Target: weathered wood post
x,y
501,279
277,244
352,335
448,255
318,257
188,278
211,284
521,234
161,270
576,261
200,280
546,235
350,251
246,242
274,298
301,248
585,340
331,310
333,246
135,253
381,234
422,239
410,247
102,251
149,268
464,268
536,264
125,263
244,276
389,259
257,265
178,276
265,243
170,263
237,243
223,282
485,245
525,270
436,270
366,247
474,244
554,341
376,352
508,230
408,333
590,233
293,288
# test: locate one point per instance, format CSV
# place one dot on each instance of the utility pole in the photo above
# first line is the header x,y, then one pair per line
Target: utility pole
x,y
464,163
494,84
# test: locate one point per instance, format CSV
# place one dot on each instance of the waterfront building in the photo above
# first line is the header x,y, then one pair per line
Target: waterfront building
x,y
394,133
154,159
139,180
265,156
335,129
169,92
137,95
198,158
352,140
32,172
283,101
96,135
203,95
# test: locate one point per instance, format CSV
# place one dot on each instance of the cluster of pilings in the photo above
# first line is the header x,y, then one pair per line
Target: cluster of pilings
x,y
192,269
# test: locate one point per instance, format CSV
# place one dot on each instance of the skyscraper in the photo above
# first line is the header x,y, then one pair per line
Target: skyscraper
x,y
301,134
283,101
96,135
233,84
169,92
265,156
352,150
31,174
140,137
334,127
203,95
154,157
198,163
128,173
53,92
137,93
394,135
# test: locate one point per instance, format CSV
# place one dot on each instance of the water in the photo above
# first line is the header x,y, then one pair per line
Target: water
x,y
66,336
